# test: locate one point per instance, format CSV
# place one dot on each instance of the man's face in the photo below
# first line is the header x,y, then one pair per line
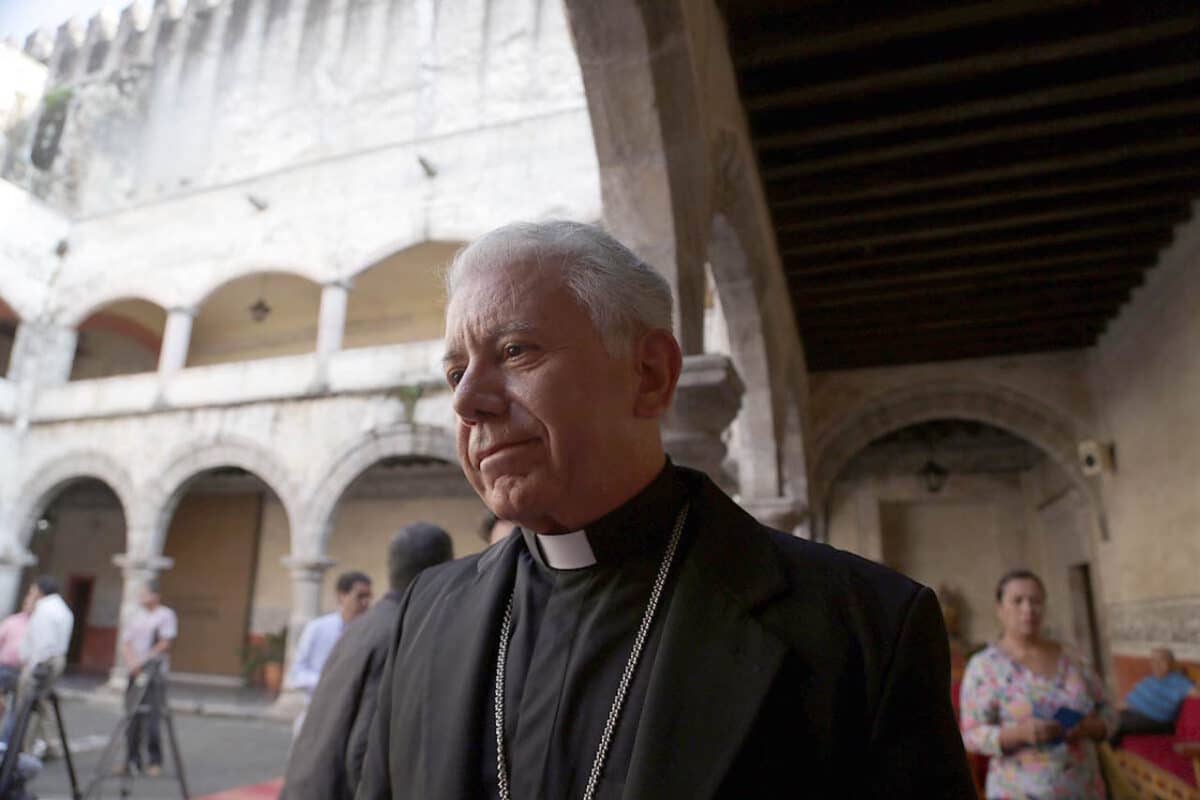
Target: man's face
x,y
355,601
150,600
1162,662
544,412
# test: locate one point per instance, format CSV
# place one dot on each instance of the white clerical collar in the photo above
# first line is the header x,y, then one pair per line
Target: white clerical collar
x,y
566,550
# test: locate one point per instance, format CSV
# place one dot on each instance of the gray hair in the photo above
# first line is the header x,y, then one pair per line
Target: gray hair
x,y
621,293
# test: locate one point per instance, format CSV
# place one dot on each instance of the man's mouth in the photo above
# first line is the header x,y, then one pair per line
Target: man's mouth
x,y
496,449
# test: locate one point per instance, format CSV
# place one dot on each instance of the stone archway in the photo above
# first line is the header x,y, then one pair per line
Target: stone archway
x,y
1001,407
353,460
194,460
758,462
40,488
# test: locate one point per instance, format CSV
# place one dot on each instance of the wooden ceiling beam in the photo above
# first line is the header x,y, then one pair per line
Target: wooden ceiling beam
x,y
975,66
991,136
958,113
938,312
1172,177
1015,222
981,248
877,187
1021,333
878,32
1101,276
849,356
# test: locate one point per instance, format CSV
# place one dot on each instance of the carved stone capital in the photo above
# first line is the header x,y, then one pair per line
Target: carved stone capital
x,y
706,401
310,569
141,568
14,556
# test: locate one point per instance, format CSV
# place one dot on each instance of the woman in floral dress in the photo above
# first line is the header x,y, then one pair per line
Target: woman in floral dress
x,y
1011,694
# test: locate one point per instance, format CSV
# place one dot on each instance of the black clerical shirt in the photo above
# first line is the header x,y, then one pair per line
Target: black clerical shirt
x,y
572,633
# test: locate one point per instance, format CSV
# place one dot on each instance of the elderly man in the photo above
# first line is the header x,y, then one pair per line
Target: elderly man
x,y
326,760
1153,704
639,636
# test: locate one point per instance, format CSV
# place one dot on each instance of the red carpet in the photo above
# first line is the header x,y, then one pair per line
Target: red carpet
x,y
259,791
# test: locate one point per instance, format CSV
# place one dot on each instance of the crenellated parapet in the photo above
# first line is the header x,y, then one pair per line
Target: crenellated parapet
x,y
166,98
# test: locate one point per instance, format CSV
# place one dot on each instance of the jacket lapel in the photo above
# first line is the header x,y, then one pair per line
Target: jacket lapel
x,y
715,662
461,676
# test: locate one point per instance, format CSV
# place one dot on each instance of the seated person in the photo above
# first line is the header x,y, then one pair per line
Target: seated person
x,y
1153,704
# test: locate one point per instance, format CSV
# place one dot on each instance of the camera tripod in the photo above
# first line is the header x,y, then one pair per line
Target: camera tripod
x,y
10,780
155,682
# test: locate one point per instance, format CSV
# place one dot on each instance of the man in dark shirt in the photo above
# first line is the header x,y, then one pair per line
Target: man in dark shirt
x,y
326,759
639,636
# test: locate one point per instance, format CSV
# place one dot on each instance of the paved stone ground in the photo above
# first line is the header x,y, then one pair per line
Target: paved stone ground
x,y
218,754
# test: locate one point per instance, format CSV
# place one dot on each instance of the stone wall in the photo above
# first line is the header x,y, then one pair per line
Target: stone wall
x,y
1145,375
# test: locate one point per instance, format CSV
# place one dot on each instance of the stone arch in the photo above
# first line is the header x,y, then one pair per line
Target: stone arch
x,y
76,314
758,465
754,295
353,460
642,100
378,254
40,489
248,270
193,460
1004,408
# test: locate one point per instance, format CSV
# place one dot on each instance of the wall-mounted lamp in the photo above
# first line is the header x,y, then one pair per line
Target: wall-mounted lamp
x,y
934,476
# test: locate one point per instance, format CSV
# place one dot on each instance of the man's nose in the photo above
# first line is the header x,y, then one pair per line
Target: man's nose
x,y
479,395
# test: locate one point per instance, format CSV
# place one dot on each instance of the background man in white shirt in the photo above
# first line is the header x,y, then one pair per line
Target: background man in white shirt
x,y
148,637
320,635
47,639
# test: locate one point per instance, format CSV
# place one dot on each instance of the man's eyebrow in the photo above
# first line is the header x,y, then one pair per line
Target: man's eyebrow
x,y
455,354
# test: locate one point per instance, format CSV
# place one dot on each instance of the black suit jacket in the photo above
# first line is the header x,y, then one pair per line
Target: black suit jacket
x,y
786,669
327,757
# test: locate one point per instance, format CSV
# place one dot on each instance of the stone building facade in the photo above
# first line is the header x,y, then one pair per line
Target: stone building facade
x,y
220,316
220,263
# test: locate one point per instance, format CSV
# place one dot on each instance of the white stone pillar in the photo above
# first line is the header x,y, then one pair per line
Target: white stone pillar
x,y
13,561
177,338
308,572
331,324
706,402
42,355
136,572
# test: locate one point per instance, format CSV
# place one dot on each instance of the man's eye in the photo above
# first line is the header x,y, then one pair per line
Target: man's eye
x,y
513,350
454,376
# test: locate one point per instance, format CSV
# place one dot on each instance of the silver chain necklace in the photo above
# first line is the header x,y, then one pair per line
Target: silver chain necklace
x,y
618,702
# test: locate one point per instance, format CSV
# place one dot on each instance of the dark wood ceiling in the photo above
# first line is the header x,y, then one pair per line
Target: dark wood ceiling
x,y
956,180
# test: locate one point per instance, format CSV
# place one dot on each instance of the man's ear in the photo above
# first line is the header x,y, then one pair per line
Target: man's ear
x,y
658,361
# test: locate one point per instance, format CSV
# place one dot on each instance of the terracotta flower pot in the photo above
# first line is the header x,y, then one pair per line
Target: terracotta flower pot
x,y
272,673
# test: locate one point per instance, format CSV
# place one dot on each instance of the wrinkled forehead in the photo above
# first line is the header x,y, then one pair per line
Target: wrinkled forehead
x,y
501,293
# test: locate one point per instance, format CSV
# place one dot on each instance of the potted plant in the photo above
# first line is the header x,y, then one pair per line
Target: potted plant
x,y
263,662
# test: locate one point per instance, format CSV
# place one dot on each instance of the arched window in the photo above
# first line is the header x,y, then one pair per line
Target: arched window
x,y
263,315
119,338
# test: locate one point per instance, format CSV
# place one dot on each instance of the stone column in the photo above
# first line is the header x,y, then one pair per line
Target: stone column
x,y
177,337
136,572
308,572
706,402
42,355
781,513
870,527
331,324
13,561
